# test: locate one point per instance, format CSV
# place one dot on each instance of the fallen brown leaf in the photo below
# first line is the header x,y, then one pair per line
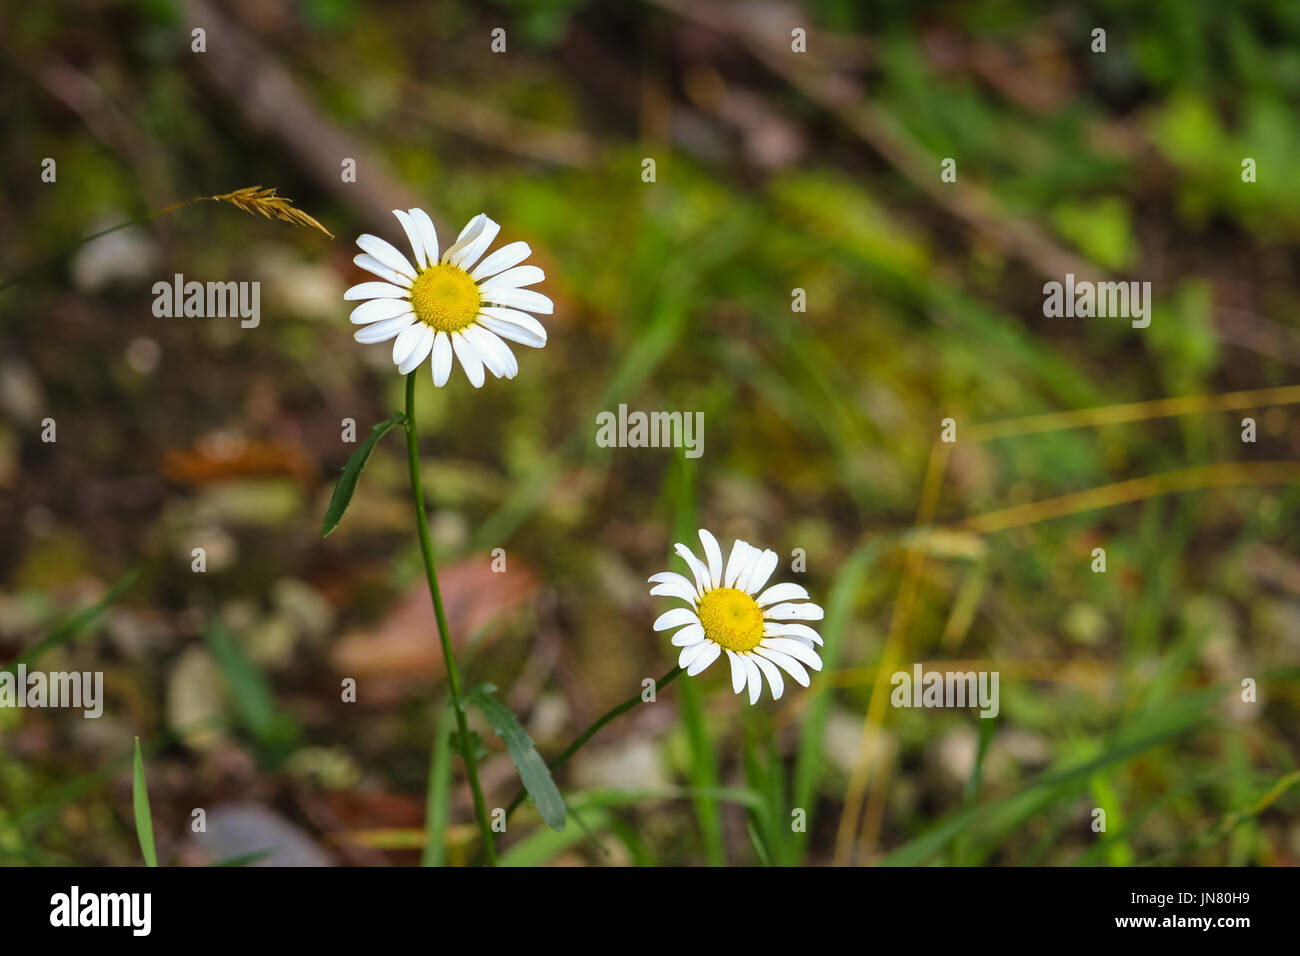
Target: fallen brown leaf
x,y
406,642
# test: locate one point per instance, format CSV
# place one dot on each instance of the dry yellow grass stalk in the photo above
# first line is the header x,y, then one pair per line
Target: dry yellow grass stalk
x,y
256,199
857,831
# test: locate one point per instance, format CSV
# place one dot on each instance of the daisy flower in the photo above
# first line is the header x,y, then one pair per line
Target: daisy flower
x,y
453,305
728,612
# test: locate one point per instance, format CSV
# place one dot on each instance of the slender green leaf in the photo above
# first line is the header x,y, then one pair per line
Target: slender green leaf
x,y
679,486
274,731
778,814
542,846
438,797
246,859
757,840
143,818
532,768
596,806
970,794
56,799
839,612
631,840
587,831
70,626
1229,823
703,771
766,820
1011,810
741,796
347,483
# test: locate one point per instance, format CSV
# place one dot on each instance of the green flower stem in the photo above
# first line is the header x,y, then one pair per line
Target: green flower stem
x,y
467,749
591,731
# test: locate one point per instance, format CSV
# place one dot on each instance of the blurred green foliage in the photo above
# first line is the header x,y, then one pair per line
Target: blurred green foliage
x,y
677,295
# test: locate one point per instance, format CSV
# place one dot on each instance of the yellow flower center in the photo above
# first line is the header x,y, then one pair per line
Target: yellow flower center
x,y
731,618
445,298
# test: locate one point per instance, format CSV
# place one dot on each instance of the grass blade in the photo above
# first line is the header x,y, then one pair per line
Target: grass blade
x,y
542,846
274,731
839,610
438,797
704,765
70,626
1008,810
143,818
246,859
523,754
347,483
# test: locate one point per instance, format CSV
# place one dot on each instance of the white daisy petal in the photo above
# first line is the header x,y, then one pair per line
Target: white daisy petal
x,y
484,337
682,590
525,299
473,251
406,341
736,561
700,572
413,236
412,347
485,341
508,255
513,325
472,242
773,675
376,290
677,617
786,663
755,678
387,253
704,658
513,363
467,235
714,555
382,331
781,592
470,360
794,612
377,309
739,673
760,572
492,360
690,634
515,278
428,234
752,557
664,577
375,267
801,632
796,649
441,359
688,654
